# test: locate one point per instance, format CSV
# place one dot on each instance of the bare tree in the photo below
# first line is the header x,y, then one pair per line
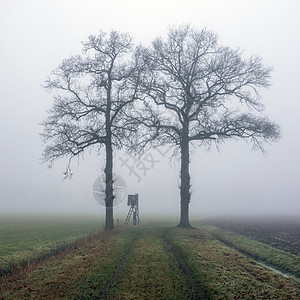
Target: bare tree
x,y
92,92
200,93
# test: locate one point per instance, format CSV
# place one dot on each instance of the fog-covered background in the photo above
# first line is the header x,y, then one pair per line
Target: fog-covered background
x,y
37,35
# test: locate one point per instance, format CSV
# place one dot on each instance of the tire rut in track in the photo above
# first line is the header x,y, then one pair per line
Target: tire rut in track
x,y
120,270
192,282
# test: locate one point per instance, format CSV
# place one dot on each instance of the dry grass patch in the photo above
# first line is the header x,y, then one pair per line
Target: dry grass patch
x,y
227,274
84,272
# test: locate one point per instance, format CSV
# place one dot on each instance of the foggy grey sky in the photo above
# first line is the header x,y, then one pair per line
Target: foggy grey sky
x,y
37,35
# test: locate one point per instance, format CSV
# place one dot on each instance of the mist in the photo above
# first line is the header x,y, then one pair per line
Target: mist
x,y
37,35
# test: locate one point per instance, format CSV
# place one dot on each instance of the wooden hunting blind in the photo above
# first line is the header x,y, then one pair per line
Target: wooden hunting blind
x,y
133,203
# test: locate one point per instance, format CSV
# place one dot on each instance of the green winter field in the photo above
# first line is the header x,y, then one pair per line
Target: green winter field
x,y
153,261
26,238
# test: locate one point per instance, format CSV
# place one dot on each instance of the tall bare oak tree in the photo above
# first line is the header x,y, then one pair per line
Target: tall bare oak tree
x,y
92,92
200,93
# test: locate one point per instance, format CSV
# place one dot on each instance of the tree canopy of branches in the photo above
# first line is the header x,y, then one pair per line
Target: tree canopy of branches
x,y
92,92
192,91
200,93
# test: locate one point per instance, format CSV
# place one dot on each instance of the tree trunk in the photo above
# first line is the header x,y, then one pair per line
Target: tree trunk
x,y
109,219
185,184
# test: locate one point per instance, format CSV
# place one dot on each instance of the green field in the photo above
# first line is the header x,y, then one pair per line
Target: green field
x,y
26,238
154,261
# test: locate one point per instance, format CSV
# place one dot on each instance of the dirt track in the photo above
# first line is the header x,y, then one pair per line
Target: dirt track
x,y
148,263
194,284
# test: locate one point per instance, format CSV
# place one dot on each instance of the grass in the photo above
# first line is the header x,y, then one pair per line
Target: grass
x,y
23,239
282,232
149,262
152,271
83,272
226,273
284,261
